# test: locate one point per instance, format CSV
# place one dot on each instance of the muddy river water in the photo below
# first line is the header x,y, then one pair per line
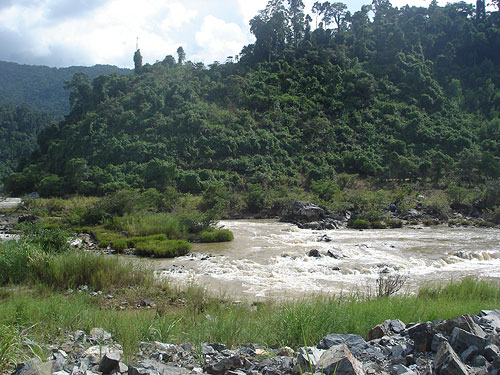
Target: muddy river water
x,y
269,259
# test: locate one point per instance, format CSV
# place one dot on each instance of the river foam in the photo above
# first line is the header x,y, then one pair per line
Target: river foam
x,y
270,259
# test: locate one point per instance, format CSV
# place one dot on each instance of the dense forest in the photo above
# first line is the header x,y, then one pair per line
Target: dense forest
x,y
408,94
43,87
19,126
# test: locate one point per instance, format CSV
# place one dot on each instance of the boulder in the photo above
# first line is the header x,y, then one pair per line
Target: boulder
x,y
464,322
356,345
461,340
304,212
109,363
314,253
447,362
339,360
386,328
225,365
308,357
422,336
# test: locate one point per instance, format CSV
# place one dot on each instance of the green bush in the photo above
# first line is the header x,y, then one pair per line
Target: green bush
x,y
51,240
359,224
395,223
14,260
378,225
150,223
76,268
163,249
217,235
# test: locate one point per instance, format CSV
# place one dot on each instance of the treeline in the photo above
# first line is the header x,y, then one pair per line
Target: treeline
x,y
410,94
43,87
19,126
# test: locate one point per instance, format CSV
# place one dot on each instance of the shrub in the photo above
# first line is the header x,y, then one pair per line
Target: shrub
x,y
14,259
51,240
359,224
163,249
150,223
75,268
395,223
217,235
378,225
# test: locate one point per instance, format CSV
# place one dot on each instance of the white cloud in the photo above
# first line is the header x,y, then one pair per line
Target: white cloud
x,y
218,39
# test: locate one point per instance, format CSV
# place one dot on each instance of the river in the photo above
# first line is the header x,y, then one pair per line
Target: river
x,y
269,259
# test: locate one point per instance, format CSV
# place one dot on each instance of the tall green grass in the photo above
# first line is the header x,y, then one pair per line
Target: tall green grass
x,y
146,224
204,319
97,271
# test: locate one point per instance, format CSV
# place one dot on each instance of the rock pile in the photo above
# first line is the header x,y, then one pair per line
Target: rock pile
x,y
468,344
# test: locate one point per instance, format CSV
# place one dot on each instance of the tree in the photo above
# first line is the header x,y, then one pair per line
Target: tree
x,y
137,61
297,20
337,12
181,55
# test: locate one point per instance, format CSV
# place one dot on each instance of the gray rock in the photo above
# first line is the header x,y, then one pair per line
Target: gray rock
x,y
34,367
464,322
422,336
387,327
491,352
401,370
468,353
225,365
357,346
58,361
302,212
437,340
447,361
339,360
308,358
479,361
460,340
109,363
314,253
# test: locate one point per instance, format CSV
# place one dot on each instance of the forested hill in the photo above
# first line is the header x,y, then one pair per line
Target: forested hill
x,y
410,93
19,126
43,87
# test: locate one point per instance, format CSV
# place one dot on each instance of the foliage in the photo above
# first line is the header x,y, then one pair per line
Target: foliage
x,y
407,95
162,248
49,240
217,235
359,224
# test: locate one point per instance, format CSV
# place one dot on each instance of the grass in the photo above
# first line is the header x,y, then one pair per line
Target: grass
x,y
200,318
163,248
217,235
146,224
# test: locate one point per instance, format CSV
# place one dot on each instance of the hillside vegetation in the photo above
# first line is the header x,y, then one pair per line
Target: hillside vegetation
x,y
408,94
43,87
19,126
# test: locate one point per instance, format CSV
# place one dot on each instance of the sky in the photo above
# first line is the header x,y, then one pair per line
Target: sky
x,y
60,33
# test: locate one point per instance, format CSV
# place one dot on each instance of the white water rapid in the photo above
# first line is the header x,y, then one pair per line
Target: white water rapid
x,y
268,259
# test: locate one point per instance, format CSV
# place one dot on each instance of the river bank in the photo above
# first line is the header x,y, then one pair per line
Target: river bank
x,y
463,345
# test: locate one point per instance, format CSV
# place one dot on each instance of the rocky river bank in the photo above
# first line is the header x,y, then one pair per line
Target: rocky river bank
x,y
307,215
466,345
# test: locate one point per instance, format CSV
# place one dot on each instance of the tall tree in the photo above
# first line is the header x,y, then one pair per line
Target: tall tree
x,y
181,55
137,61
297,21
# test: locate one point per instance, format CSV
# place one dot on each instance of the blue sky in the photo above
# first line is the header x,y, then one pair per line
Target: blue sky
x,y
61,33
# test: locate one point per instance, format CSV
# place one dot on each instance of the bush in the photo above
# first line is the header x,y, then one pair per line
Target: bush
x,y
50,240
359,224
76,268
394,223
217,235
378,225
14,260
150,223
163,249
